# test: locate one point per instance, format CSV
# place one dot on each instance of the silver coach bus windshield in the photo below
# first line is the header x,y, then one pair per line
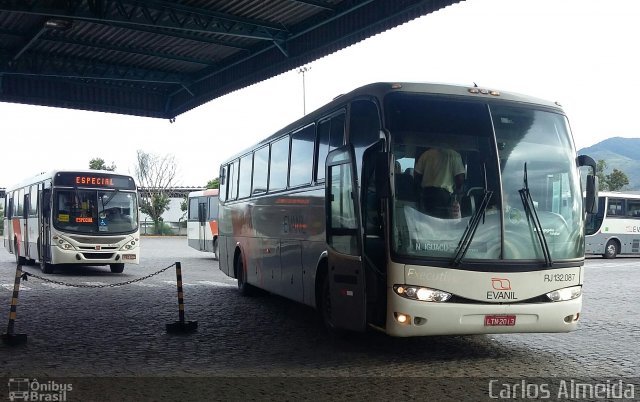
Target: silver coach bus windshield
x,y
95,211
521,195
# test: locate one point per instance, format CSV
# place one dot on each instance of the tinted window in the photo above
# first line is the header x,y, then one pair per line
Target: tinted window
x,y
233,181
33,201
279,164
616,207
223,182
193,209
330,136
260,170
244,186
302,143
633,208
213,208
364,127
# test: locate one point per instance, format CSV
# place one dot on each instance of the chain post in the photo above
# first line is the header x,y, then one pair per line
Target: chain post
x,y
10,338
181,326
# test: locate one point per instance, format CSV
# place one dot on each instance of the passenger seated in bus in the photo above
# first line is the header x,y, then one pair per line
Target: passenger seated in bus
x,y
439,174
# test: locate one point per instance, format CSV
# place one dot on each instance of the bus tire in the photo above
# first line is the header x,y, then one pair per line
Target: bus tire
x,y
245,288
326,310
20,260
611,250
46,268
117,268
216,256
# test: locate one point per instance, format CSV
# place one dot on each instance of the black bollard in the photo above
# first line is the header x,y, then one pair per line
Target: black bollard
x,y
181,326
10,338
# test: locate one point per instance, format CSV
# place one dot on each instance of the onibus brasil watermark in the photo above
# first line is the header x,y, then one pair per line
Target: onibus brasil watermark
x,y
25,389
558,389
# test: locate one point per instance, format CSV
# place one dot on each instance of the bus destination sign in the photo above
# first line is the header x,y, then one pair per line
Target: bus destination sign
x,y
81,179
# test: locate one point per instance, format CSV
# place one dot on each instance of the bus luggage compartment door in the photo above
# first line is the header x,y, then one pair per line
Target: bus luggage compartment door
x,y
347,289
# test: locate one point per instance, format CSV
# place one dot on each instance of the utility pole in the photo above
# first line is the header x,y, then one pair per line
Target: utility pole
x,y
302,71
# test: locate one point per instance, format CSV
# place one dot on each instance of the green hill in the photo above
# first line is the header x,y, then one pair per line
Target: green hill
x,y
619,153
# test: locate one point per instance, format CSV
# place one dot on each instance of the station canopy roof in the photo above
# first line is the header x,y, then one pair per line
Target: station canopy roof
x,y
162,58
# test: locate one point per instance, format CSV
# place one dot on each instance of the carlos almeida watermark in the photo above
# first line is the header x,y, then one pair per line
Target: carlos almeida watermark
x,y
25,389
559,389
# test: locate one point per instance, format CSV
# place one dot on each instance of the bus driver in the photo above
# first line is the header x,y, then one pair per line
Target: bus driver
x,y
439,173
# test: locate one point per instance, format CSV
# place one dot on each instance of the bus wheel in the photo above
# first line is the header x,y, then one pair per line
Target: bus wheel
x,y
611,249
215,249
46,268
20,260
244,288
116,268
326,308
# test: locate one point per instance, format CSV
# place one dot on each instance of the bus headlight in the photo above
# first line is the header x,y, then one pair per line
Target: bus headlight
x,y
565,294
421,293
63,244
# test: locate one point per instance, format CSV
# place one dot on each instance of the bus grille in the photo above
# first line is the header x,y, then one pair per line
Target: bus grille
x,y
97,256
97,240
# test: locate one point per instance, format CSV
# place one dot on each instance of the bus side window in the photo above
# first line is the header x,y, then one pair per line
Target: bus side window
x,y
364,127
330,136
223,183
633,208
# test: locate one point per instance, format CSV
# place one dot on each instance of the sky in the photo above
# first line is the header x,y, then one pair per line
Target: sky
x,y
580,53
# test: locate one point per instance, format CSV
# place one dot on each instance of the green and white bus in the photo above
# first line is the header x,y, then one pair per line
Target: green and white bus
x,y
326,212
615,229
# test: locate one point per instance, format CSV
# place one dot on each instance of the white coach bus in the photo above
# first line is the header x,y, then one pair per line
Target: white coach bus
x,y
73,217
615,229
328,212
202,221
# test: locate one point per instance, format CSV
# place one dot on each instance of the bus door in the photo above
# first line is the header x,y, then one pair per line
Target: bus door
x,y
202,222
347,290
45,223
25,223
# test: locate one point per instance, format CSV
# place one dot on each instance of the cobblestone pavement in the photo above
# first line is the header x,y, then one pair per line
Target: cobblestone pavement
x,y
111,343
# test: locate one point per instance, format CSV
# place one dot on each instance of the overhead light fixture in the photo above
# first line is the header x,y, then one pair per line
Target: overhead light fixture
x,y
58,25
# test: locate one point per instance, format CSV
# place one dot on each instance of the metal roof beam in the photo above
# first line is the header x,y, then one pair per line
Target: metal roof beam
x,y
130,50
161,14
318,4
62,67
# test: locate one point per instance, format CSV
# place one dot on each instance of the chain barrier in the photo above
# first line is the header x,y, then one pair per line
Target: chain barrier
x,y
26,274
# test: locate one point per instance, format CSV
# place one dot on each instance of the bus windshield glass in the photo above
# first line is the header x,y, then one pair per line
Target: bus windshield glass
x,y
516,180
95,211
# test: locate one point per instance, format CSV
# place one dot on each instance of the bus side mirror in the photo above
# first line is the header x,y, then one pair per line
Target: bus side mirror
x,y
382,175
591,197
591,193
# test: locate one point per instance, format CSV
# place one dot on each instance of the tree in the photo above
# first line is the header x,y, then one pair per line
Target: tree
x,y
215,183
616,180
99,164
601,166
613,181
155,176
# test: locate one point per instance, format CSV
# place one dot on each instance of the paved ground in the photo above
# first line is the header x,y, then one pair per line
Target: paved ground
x,y
110,343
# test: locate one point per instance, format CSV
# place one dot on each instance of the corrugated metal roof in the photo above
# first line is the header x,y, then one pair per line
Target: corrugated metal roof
x,y
163,58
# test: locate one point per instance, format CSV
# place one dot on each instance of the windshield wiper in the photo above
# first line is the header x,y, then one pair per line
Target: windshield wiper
x,y
472,226
532,218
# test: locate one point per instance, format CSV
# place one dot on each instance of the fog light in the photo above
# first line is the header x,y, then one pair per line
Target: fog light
x,y
402,318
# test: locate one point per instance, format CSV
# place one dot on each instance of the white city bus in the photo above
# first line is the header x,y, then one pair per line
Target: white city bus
x,y
73,217
202,221
615,228
326,212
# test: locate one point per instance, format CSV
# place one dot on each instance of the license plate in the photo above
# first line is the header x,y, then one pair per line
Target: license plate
x,y
499,320
128,256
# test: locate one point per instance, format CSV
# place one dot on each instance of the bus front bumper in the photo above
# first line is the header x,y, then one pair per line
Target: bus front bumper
x,y
428,318
60,256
